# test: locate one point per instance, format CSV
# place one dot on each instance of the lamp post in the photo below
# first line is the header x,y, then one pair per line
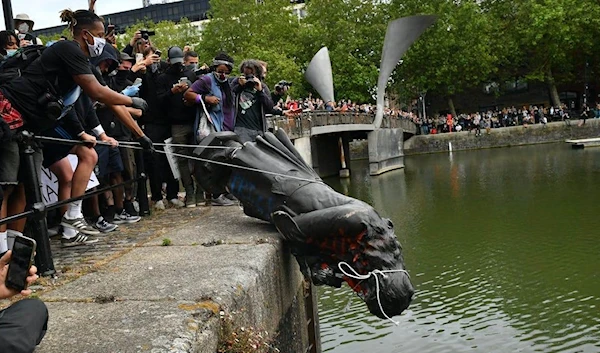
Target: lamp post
x,y
8,15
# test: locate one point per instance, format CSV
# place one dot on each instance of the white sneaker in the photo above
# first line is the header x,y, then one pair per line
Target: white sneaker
x,y
159,205
177,203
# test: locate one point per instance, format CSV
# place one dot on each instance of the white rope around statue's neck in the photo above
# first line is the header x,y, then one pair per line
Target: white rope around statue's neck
x,y
374,273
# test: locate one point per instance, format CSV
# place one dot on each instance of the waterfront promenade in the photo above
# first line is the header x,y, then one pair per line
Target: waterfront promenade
x,y
171,282
502,137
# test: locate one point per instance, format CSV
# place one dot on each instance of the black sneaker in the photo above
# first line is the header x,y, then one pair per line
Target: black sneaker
x,y
130,208
80,225
102,225
223,201
78,240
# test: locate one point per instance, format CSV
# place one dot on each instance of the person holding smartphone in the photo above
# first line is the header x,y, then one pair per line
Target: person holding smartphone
x,y
24,323
171,85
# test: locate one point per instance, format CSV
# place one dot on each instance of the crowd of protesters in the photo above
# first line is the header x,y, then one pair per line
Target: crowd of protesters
x,y
124,98
88,98
290,106
506,117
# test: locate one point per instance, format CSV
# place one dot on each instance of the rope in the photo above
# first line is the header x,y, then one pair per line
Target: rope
x,y
175,145
135,145
374,273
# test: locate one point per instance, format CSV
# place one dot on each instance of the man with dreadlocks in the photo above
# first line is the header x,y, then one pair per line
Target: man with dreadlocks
x,y
25,100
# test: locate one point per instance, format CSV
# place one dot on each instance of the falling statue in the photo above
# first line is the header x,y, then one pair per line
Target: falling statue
x,y
335,238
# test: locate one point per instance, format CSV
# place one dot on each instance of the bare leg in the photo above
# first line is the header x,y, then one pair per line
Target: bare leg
x,y
17,205
4,209
64,173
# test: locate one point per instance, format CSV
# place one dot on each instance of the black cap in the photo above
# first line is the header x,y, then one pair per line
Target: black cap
x,y
175,55
125,57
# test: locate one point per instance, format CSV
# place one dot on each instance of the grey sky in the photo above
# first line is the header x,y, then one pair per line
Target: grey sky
x,y
45,12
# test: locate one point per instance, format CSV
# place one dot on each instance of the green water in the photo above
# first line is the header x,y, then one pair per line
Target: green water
x,y
503,248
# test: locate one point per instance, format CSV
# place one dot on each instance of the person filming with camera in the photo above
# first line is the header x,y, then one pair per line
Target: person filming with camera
x,y
253,101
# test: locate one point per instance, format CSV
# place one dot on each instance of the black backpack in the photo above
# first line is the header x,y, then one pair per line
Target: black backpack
x,y
13,66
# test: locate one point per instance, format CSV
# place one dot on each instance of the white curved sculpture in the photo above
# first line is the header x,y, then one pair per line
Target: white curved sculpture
x,y
319,75
400,34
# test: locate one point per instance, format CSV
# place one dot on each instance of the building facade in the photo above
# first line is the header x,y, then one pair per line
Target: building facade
x,y
193,10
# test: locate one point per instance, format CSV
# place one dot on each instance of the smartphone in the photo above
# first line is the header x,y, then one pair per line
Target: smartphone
x,y
110,29
184,80
21,260
158,52
139,57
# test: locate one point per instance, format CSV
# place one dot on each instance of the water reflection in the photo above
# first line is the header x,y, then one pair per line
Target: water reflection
x,y
502,247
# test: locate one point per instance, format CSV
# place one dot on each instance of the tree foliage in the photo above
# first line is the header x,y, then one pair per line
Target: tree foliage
x,y
168,34
246,30
472,43
454,54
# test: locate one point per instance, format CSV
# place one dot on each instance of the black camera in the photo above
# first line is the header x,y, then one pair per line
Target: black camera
x,y
249,81
52,105
282,85
146,33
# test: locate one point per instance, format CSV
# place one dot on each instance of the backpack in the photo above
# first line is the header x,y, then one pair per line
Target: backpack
x,y
13,66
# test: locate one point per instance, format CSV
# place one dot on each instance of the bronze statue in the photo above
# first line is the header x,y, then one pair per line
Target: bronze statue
x,y
323,228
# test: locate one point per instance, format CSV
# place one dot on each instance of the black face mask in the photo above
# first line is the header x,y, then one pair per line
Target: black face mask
x,y
122,74
178,67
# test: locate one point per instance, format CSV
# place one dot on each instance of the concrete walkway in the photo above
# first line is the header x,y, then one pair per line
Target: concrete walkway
x,y
156,298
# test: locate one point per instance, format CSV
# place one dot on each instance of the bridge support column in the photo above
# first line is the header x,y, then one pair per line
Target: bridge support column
x,y
385,150
326,155
302,144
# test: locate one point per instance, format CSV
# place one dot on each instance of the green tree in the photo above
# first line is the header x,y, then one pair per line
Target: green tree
x,y
353,31
456,53
66,32
168,34
554,38
246,29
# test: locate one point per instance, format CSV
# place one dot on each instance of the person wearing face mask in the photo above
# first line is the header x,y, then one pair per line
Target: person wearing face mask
x,y
158,127
170,87
24,25
214,90
26,100
190,60
9,43
116,165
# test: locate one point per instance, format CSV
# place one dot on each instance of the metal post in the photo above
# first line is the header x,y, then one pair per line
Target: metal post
x,y
312,316
142,189
36,226
586,88
9,22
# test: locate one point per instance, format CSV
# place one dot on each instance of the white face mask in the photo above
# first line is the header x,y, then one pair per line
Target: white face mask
x,y
10,52
23,28
97,48
220,77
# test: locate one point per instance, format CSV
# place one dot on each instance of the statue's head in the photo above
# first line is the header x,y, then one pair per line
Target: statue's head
x,y
388,287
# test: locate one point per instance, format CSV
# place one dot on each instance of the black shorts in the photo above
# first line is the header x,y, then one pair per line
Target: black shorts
x,y
109,160
54,152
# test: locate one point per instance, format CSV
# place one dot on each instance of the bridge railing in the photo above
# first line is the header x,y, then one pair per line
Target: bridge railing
x,y
300,125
